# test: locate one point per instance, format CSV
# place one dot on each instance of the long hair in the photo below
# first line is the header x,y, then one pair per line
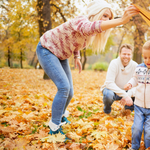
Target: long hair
x,y
98,42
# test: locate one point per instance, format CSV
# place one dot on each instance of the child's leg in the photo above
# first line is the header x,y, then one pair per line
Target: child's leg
x,y
147,129
137,127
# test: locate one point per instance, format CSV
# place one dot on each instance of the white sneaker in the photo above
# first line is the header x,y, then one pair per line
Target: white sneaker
x,y
54,126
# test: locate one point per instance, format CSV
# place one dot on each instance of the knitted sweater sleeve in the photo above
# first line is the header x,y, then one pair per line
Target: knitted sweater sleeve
x,y
110,80
131,92
133,81
85,27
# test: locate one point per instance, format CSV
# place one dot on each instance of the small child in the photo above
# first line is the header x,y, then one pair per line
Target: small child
x,y
141,79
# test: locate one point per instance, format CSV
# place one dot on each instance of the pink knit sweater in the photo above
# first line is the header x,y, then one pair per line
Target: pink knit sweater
x,y
70,37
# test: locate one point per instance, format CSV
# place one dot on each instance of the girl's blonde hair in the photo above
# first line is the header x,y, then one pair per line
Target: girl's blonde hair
x,y
98,42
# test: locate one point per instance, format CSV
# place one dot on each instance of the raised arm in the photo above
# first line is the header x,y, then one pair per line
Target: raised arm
x,y
128,13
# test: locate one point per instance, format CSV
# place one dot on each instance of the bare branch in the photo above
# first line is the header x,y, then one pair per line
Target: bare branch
x,y
3,6
59,10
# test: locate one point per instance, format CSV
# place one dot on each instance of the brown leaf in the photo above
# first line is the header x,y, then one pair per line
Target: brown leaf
x,y
6,130
112,146
73,136
75,146
25,112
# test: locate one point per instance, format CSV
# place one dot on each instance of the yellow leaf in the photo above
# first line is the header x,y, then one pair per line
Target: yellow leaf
x,y
99,134
120,120
54,138
73,136
144,13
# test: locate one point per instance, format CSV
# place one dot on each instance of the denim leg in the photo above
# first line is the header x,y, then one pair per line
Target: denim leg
x,y
108,99
147,128
137,127
53,68
66,67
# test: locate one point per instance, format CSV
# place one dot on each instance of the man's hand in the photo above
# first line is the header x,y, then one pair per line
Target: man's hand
x,y
78,63
126,101
128,86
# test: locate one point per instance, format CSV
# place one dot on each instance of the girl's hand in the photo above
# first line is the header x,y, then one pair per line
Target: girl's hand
x,y
78,63
128,86
129,12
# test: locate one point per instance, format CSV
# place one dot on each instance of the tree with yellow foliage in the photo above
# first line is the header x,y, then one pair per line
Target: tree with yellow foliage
x,y
20,28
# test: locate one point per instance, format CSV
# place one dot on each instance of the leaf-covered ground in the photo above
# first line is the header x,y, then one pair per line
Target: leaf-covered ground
x,y
25,111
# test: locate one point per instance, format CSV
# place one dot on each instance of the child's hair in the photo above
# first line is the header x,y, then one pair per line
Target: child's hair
x,y
128,46
99,41
146,45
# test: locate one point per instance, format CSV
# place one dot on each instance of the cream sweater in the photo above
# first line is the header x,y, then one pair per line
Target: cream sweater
x,y
118,76
141,79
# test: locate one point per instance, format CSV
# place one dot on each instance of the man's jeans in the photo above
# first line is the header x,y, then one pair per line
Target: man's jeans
x,y
141,121
109,97
59,72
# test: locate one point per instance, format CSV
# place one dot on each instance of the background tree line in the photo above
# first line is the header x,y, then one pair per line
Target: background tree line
x,y
23,22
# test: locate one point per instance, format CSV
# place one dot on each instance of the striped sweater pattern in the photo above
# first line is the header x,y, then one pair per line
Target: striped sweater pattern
x,y
70,37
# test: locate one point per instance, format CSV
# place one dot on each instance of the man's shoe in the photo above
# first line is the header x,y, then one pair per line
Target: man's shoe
x,y
106,110
64,119
129,107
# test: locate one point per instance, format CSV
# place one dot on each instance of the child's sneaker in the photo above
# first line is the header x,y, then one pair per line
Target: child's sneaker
x,y
64,119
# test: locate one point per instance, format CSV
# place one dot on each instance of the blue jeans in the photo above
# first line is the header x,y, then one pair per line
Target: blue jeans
x,y
141,121
59,72
109,97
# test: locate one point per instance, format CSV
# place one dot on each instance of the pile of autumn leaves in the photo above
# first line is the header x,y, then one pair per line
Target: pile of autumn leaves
x,y
25,111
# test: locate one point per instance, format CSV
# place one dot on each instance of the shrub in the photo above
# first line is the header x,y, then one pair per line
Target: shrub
x,y
100,66
89,67
16,65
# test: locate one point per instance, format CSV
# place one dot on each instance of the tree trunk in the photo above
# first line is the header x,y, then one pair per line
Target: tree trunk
x,y
85,59
46,77
43,8
139,39
138,43
81,55
120,43
9,57
32,61
21,58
